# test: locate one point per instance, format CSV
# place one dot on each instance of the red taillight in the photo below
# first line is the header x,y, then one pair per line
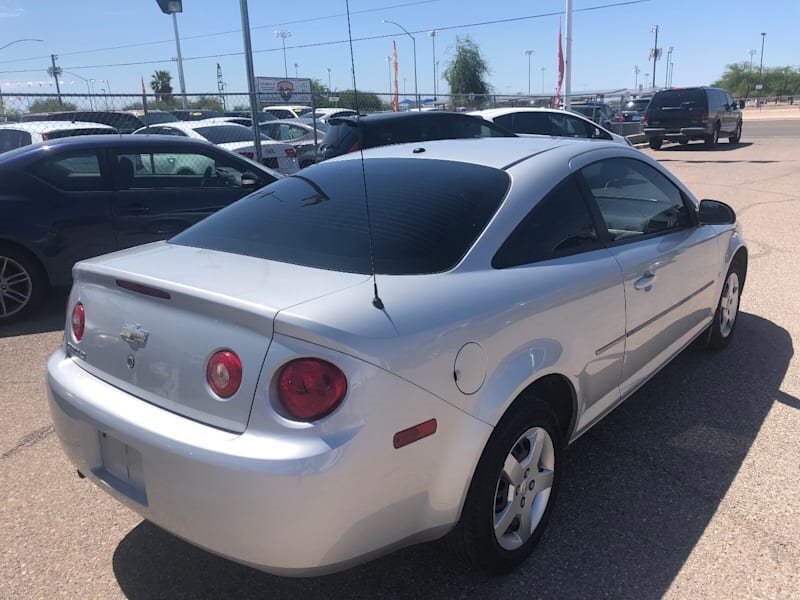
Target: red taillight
x,y
645,120
291,152
224,373
704,117
310,388
78,321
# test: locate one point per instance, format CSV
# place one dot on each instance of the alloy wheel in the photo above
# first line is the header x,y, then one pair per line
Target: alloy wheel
x,y
16,287
729,304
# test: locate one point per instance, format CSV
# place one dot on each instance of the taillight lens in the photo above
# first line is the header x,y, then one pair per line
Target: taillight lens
x,y
224,373
78,321
291,152
645,120
310,388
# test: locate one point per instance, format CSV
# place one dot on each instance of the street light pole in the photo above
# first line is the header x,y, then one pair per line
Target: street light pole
x,y
2,102
283,34
414,42
543,69
389,63
636,71
529,53
329,81
669,57
296,66
761,66
433,33
88,90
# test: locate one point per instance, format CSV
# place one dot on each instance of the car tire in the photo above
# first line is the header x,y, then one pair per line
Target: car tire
x,y
711,140
22,284
725,317
655,143
513,490
737,135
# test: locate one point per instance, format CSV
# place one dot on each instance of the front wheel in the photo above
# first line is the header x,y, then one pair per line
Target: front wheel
x,y
22,285
727,309
655,143
513,490
737,135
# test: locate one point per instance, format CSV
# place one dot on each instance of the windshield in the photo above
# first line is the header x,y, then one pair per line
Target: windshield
x,y
425,215
223,134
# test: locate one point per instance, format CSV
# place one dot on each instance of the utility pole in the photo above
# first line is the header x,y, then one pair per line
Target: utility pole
x,y
761,66
655,28
251,77
636,71
329,82
389,62
568,60
55,72
433,33
529,53
669,57
542,69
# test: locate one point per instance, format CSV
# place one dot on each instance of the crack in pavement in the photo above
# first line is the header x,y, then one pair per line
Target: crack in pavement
x,y
30,439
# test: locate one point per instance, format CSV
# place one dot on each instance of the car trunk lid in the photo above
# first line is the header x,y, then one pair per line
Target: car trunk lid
x,y
157,313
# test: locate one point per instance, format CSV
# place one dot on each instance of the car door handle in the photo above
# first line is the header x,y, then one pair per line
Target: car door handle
x,y
645,282
137,209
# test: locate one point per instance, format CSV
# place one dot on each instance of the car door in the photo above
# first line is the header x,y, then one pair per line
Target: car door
x,y
76,222
162,191
572,290
669,263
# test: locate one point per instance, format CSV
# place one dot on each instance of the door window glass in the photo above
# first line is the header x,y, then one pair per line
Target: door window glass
x,y
73,172
154,170
635,199
13,138
559,225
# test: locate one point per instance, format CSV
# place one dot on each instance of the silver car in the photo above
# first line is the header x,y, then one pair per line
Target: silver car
x,y
382,351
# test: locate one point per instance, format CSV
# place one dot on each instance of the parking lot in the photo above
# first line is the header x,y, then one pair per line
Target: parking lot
x,y
688,490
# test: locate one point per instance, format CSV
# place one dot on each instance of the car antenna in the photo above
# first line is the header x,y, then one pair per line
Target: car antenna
x,y
376,300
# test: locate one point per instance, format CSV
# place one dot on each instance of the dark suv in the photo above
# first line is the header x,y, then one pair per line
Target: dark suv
x,y
686,114
348,134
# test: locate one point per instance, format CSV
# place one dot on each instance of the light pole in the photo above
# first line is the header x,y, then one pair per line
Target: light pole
x,y
669,57
414,42
108,86
671,70
529,53
646,80
752,52
389,62
655,29
542,69
329,81
636,71
2,102
173,7
433,33
251,76
283,34
88,90
761,66
296,66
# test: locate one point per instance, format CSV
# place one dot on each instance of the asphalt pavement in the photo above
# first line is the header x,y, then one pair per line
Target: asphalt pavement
x,y
688,490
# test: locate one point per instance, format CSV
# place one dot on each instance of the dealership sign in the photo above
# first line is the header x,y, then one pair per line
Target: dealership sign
x,y
283,90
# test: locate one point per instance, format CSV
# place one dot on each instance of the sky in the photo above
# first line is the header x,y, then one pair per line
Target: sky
x,y
99,40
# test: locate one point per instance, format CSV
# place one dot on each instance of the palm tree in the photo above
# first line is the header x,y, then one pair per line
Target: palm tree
x,y
161,85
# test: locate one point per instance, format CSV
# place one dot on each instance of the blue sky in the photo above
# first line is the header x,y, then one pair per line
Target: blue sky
x,y
608,42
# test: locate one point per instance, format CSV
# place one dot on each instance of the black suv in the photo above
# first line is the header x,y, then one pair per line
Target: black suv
x,y
686,114
348,134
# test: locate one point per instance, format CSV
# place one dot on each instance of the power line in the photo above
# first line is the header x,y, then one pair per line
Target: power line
x,y
218,33
345,41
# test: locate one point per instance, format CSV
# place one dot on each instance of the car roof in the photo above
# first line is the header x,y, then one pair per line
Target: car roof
x,y
401,116
192,125
497,112
500,153
45,126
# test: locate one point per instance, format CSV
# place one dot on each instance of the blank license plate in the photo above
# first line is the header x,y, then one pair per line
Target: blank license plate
x,y
121,468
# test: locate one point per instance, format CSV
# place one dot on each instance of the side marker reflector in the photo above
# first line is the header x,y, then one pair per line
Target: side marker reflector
x,y
412,434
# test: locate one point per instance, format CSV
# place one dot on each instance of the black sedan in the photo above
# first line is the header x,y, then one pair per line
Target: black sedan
x,y
74,198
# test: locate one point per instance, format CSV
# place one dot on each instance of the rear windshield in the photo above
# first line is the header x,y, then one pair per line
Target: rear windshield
x,y
679,99
425,216
222,134
62,133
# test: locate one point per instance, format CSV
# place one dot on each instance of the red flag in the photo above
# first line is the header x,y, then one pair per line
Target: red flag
x,y
557,99
396,98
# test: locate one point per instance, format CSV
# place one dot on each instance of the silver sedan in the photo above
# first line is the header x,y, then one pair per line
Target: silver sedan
x,y
388,348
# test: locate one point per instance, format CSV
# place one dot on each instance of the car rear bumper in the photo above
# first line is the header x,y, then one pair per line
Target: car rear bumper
x,y
289,504
675,133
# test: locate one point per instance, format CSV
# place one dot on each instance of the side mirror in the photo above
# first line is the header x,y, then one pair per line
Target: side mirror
x,y
249,179
713,212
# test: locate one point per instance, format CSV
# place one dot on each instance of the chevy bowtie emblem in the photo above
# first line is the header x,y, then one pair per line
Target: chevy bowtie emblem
x,y
133,333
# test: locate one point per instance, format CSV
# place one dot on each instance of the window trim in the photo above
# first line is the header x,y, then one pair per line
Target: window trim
x,y
602,233
597,213
106,177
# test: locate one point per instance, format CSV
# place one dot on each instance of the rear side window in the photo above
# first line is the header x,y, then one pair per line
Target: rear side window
x,y
13,138
687,99
341,137
72,172
425,215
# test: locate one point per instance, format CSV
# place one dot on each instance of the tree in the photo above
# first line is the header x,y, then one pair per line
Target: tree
x,y
739,80
161,84
466,73
206,102
50,105
367,101
321,94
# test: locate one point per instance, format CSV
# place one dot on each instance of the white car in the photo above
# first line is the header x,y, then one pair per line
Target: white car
x,y
231,136
287,111
16,135
548,121
299,386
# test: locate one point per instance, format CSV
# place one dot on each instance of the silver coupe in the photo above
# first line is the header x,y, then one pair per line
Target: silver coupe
x,y
388,348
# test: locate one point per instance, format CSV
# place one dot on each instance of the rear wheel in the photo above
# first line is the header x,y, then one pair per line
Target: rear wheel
x,y
655,143
513,490
22,285
737,135
711,140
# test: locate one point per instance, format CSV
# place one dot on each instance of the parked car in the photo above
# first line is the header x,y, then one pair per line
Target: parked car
x,y
599,112
154,117
263,116
195,114
548,121
122,121
633,110
16,135
77,197
300,384
686,114
231,136
286,111
348,134
299,135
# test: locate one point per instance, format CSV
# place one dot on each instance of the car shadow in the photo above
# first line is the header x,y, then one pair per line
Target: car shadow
x,y
698,146
638,491
50,316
